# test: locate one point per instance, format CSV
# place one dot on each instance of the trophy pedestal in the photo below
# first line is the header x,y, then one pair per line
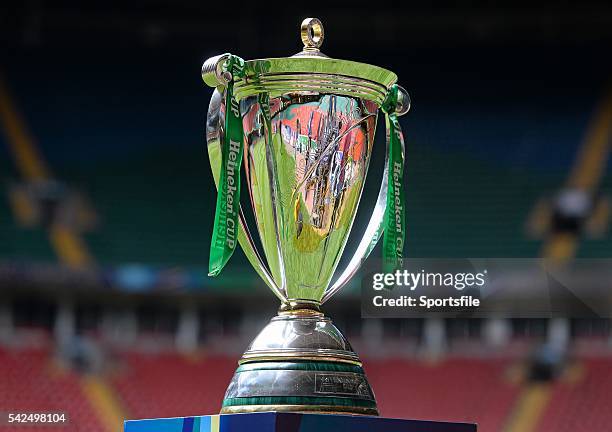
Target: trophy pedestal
x,y
300,362
291,422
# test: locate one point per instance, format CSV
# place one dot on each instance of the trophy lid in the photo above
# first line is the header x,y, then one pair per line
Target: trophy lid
x,y
308,70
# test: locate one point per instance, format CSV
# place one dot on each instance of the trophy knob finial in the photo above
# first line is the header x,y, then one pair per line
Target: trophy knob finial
x,y
312,34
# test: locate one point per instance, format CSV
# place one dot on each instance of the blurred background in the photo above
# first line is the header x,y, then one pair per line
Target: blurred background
x,y
107,203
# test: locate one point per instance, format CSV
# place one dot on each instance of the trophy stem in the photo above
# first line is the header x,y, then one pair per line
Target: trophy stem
x,y
300,306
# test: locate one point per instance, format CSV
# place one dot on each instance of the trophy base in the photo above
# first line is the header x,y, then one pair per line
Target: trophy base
x,y
312,409
300,362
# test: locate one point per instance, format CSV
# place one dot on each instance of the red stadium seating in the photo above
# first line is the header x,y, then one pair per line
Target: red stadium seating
x,y
170,385
582,405
28,383
455,389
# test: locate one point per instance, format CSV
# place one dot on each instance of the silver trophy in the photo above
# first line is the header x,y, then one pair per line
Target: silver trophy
x,y
306,156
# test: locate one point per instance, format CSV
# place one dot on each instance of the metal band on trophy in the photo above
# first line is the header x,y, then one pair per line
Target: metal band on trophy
x,y
304,128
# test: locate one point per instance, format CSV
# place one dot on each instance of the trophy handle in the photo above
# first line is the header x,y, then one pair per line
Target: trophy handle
x,y
375,227
214,142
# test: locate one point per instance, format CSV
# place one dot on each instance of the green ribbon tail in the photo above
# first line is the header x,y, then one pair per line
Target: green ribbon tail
x,y
394,223
226,225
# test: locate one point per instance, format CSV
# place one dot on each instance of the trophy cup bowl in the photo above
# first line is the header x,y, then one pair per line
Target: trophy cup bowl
x,y
307,149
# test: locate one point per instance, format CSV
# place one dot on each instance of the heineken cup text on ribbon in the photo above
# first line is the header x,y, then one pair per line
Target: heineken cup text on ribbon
x,y
225,229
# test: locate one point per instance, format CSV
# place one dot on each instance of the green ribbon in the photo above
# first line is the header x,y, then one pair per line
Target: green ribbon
x,y
394,222
226,226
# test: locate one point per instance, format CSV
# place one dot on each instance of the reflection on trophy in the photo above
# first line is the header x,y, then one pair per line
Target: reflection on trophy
x,y
308,125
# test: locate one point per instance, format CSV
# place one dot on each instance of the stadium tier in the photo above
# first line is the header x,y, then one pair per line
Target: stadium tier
x,y
462,390
473,178
30,382
454,389
168,384
171,385
580,404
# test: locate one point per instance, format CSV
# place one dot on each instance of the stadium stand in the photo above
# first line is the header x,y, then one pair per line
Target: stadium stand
x,y
149,182
492,133
454,389
167,383
170,385
29,382
581,404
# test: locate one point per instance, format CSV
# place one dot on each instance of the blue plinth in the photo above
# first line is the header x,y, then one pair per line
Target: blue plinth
x,y
291,422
